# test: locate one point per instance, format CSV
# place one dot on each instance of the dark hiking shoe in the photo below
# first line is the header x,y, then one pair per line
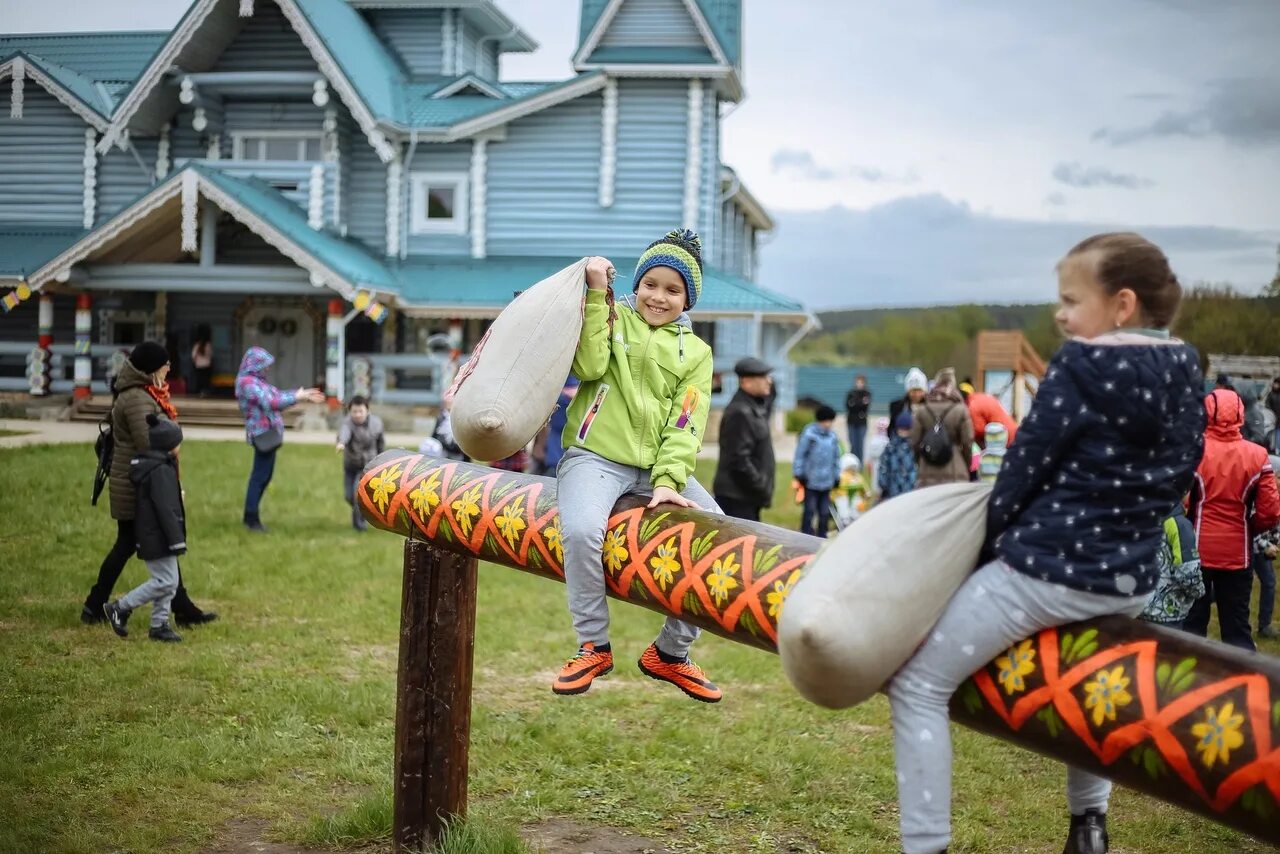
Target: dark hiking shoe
x,y
578,672
1087,834
164,634
256,527
91,615
195,618
118,618
1269,632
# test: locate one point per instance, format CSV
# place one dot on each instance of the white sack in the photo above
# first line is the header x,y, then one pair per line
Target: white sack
x,y
869,598
509,387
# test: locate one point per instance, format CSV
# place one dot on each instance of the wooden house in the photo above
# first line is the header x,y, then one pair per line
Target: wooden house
x,y
351,184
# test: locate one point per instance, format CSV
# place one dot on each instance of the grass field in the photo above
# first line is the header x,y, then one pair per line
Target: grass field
x,y
276,722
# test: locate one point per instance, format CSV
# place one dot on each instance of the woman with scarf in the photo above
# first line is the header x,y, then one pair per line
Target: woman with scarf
x,y
140,389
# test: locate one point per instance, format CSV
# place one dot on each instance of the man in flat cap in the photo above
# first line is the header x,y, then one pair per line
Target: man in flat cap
x,y
745,471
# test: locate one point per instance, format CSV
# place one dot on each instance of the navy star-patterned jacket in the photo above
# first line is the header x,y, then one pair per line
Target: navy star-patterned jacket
x,y
1109,446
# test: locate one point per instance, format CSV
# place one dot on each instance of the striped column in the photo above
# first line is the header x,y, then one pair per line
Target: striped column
x,y
41,367
84,363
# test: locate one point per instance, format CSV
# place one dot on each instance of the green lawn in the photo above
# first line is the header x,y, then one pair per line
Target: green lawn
x,y
279,717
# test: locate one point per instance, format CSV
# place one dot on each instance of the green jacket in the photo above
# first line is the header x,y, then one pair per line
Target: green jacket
x,y
645,393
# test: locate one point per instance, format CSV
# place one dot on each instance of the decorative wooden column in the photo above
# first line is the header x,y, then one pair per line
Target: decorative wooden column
x,y
433,693
84,360
41,376
333,355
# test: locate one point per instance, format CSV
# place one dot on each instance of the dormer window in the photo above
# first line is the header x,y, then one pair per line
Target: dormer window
x,y
438,203
277,145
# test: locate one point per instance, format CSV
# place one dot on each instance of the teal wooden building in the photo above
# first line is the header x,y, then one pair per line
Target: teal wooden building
x,y
351,184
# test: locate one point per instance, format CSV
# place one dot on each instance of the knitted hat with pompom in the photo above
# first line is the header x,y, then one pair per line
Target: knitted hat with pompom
x,y
681,250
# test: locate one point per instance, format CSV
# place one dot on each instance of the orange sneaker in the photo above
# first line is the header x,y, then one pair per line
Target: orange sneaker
x,y
685,675
578,672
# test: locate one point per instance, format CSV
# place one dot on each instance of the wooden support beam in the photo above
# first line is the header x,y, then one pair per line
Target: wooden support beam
x,y
433,693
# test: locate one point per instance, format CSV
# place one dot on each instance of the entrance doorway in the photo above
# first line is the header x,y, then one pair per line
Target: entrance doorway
x,y
287,333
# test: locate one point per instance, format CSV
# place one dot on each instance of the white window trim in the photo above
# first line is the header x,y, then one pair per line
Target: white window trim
x,y
419,183
238,138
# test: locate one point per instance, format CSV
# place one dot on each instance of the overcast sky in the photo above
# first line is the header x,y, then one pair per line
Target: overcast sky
x,y
945,151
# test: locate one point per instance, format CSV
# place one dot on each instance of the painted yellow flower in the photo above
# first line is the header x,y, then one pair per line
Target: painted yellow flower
x,y
778,595
511,521
1219,734
1016,663
467,508
721,580
665,564
555,540
383,485
426,496
1106,693
615,549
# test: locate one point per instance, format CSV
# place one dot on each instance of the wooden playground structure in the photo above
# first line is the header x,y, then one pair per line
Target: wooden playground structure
x,y
1010,369
1157,737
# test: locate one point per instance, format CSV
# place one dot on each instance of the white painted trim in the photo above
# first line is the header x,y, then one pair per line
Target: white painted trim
x,y
190,209
395,202
606,18
585,85
90,177
33,72
469,80
446,44
246,8
728,76
693,156
214,151
459,42
315,198
238,138
608,143
163,163
18,82
419,183
479,196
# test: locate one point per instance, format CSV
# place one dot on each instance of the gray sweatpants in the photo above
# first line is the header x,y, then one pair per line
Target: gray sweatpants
x,y
994,609
158,589
588,486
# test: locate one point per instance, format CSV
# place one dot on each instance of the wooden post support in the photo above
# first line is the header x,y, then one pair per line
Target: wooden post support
x,y
433,693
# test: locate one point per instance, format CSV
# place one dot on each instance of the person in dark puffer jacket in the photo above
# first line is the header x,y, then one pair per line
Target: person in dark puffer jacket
x,y
1075,516
140,389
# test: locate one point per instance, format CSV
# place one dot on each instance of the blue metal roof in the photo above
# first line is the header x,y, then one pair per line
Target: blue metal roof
x,y
100,57
24,249
723,17
492,282
830,384
653,55
423,110
363,58
346,257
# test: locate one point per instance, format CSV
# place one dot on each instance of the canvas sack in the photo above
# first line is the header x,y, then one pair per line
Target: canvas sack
x,y
870,597
509,387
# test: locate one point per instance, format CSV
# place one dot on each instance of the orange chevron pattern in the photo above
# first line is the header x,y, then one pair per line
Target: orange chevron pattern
x,y
1187,720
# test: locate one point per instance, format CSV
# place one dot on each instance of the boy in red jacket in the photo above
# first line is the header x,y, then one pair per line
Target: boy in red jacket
x,y
1233,496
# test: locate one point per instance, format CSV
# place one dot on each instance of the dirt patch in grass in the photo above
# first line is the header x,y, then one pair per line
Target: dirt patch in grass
x,y
560,834
244,836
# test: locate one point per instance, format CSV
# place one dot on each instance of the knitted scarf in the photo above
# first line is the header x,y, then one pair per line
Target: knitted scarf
x,y
160,394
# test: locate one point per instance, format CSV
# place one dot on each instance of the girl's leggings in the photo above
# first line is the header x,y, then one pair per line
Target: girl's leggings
x,y
994,609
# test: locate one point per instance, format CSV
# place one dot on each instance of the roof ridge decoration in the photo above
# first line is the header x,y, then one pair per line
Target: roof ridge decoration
x,y
592,41
470,80
187,28
24,66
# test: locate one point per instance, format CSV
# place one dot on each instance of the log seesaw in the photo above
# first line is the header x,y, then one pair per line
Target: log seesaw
x,y
1190,721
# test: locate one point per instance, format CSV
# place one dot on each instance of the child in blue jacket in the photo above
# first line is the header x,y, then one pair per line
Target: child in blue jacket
x,y
817,468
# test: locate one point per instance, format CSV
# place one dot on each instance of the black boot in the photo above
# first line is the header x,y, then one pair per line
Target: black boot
x,y
91,613
1087,834
194,617
253,522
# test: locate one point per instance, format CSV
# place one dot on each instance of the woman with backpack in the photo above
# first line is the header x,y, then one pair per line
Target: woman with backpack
x,y
942,434
139,390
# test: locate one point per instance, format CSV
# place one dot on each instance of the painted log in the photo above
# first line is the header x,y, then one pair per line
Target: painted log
x,y
1187,720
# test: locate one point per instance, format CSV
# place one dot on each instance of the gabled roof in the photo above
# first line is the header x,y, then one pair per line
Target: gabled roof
x,y
339,263
112,59
484,13
439,284
458,115
732,188
723,18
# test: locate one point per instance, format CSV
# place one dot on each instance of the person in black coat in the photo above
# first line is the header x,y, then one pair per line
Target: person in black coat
x,y
857,403
745,471
161,530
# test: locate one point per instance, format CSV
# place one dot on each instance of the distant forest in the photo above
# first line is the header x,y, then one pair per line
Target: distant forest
x,y
1214,319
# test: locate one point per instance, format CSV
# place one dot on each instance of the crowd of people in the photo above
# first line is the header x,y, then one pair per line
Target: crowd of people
x,y
1125,490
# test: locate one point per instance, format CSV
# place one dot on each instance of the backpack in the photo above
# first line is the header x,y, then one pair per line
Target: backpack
x,y
104,448
936,448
